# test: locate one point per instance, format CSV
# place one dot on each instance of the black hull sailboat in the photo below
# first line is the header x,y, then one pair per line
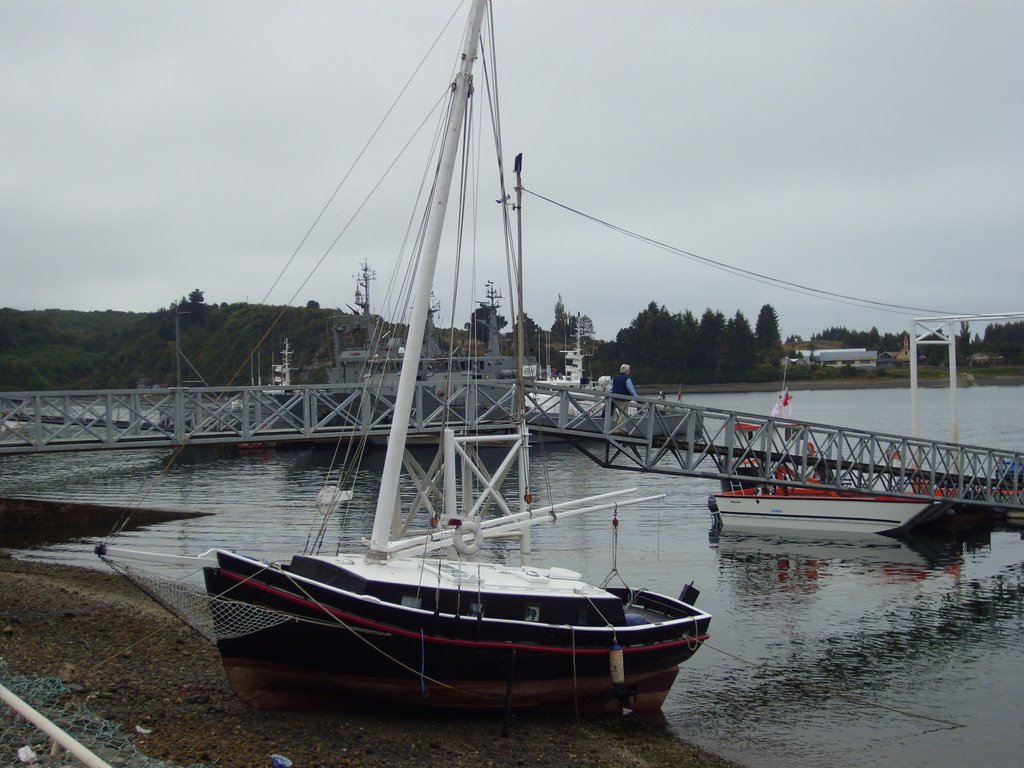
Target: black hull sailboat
x,y
423,616
524,637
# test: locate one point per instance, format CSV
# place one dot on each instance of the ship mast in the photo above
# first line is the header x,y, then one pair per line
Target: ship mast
x,y
462,88
520,345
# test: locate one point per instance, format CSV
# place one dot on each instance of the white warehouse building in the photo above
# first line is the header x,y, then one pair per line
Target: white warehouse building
x,y
837,358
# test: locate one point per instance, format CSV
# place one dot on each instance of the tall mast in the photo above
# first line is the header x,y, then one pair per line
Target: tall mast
x,y
461,90
520,345
525,496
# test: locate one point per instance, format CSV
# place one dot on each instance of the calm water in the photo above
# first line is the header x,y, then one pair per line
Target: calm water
x,y
860,652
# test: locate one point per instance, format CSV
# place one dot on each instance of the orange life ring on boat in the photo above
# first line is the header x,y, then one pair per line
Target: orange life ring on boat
x,y
784,472
812,451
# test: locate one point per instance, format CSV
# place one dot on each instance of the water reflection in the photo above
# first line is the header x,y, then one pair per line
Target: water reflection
x,y
789,552
864,641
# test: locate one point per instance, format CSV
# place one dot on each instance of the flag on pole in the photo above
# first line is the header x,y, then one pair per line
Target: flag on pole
x,y
782,406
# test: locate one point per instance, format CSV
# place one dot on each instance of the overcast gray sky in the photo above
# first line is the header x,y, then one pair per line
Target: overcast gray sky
x,y
869,148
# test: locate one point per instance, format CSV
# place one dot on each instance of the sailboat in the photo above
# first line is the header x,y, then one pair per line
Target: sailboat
x,y
425,618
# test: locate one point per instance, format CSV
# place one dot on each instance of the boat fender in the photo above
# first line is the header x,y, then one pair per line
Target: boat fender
x,y
617,665
471,547
689,594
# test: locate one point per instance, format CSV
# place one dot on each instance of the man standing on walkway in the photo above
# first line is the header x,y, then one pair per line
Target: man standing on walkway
x,y
622,385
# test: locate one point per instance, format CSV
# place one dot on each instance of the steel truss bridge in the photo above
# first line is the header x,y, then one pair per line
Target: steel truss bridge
x,y
657,435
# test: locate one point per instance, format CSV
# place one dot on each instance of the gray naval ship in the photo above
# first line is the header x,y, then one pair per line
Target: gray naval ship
x,y
365,353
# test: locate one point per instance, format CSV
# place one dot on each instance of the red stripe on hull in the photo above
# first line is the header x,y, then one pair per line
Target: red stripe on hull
x,y
692,641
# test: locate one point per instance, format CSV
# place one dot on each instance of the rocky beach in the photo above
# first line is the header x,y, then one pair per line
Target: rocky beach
x,y
130,662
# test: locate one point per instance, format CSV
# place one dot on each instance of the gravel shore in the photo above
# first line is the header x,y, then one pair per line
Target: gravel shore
x,y
135,665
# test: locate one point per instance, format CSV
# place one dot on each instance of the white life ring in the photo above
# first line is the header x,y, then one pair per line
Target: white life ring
x,y
471,547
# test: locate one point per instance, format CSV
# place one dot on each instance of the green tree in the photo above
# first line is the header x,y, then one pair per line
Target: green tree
x,y
531,337
1006,339
687,368
739,348
650,344
560,329
196,305
963,341
710,339
586,327
766,330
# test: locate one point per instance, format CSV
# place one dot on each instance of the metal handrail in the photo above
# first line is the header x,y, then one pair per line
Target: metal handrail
x,y
657,436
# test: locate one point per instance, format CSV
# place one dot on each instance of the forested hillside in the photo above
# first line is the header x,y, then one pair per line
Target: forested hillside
x,y
220,345
236,344
662,346
666,347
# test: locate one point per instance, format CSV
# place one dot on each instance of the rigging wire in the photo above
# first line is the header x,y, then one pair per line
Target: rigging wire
x,y
397,296
359,156
454,14
400,286
788,285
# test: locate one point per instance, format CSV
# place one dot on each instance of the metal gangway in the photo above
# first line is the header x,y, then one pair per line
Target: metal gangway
x,y
656,436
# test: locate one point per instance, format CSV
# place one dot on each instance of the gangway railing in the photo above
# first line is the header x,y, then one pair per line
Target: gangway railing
x,y
38,422
653,435
741,449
